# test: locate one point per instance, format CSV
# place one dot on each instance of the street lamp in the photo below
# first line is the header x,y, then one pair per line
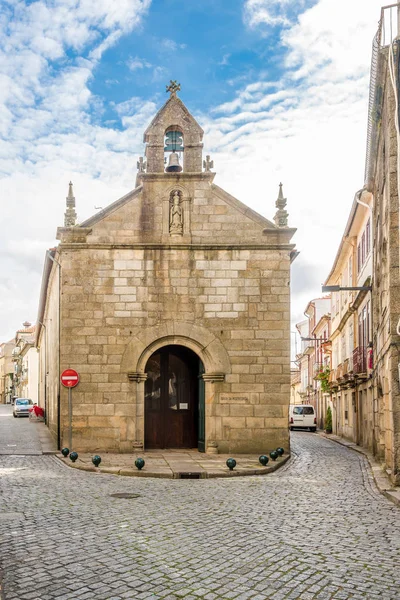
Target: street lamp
x,y
337,288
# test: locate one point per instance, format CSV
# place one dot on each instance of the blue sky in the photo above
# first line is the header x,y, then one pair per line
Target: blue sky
x,y
280,88
199,43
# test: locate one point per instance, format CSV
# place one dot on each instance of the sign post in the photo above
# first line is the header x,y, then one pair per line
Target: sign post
x,y
69,379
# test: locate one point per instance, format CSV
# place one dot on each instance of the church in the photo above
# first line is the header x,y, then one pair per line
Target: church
x,y
172,304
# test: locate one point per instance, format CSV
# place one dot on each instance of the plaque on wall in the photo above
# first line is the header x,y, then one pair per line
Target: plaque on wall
x,y
233,398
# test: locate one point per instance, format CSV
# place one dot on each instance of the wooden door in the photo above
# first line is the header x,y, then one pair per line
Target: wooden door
x,y
171,399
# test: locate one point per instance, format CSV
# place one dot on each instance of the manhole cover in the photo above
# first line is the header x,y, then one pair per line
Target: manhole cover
x,y
124,495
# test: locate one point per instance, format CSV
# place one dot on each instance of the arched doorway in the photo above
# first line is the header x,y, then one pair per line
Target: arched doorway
x,y
174,399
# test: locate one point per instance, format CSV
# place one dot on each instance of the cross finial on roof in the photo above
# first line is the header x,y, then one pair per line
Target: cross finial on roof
x,y
70,214
281,216
141,165
208,164
173,87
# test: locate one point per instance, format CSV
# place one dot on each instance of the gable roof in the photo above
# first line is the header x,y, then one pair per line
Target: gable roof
x,y
111,208
356,206
243,208
169,105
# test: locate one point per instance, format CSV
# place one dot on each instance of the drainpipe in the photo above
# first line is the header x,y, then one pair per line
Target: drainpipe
x,y
59,349
45,372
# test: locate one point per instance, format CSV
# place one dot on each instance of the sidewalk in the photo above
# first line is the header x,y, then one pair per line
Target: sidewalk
x,y
46,441
381,479
175,464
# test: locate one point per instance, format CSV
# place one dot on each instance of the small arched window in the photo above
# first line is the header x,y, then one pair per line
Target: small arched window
x,y
173,148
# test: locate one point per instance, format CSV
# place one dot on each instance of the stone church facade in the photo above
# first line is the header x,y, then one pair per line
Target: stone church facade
x,y
173,306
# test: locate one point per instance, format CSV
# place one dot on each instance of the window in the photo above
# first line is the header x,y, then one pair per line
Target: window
x,y
368,236
343,348
368,321
351,338
363,253
303,410
363,326
364,247
343,283
350,271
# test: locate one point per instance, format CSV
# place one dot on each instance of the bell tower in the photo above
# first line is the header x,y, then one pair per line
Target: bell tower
x,y
173,137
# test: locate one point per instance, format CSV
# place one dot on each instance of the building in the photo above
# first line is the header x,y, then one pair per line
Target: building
x,y
6,372
365,336
382,182
351,333
314,356
322,363
173,306
25,358
295,382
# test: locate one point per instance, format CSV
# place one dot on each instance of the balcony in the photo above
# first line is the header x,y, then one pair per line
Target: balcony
x,y
345,376
318,367
15,353
360,362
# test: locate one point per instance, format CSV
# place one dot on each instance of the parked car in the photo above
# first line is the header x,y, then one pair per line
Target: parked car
x,y
22,406
302,416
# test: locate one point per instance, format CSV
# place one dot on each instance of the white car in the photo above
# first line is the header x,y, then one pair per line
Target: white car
x,y
302,416
21,407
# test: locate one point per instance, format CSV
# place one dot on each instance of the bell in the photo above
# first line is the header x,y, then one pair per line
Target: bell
x,y
173,164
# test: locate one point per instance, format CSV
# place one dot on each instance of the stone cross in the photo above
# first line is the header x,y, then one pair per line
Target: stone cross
x,y
208,164
141,165
173,87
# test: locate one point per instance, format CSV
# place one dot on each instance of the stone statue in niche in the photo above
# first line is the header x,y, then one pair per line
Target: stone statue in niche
x,y
175,214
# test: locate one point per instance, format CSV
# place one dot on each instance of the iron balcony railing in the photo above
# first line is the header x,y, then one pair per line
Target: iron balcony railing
x,y
360,360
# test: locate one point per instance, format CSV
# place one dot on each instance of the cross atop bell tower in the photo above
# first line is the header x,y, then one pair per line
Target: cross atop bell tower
x,y
173,87
174,130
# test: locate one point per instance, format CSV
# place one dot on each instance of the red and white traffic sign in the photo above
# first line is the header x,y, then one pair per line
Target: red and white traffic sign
x,y
69,378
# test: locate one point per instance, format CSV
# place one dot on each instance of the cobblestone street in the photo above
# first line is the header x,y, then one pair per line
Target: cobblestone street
x,y
315,529
17,436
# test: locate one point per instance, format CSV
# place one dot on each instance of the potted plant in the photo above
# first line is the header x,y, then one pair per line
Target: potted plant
x,y
328,421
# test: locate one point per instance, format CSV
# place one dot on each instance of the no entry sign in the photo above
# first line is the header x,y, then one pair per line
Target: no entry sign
x,y
69,378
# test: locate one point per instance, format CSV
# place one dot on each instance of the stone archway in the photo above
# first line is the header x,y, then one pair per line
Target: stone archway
x,y
145,342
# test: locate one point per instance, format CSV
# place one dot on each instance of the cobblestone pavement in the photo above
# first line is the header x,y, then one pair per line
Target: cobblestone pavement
x,y
17,436
315,529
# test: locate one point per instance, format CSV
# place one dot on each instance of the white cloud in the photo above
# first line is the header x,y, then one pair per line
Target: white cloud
x,y
307,130
159,73
225,60
333,40
269,12
47,135
171,45
137,63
